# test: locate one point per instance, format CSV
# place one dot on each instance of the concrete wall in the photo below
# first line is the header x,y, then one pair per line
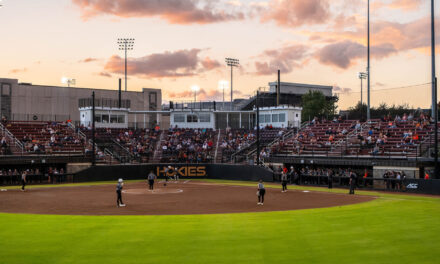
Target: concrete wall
x,y
55,103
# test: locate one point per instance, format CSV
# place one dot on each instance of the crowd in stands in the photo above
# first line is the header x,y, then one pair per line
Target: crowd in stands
x,y
188,145
235,140
46,137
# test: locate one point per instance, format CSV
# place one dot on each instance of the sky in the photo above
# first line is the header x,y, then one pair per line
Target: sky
x,y
182,43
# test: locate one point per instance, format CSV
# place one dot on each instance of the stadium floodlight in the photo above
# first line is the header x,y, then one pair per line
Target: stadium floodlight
x,y
232,63
68,81
195,89
368,61
222,84
126,44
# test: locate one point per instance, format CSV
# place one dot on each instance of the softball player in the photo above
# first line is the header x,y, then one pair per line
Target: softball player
x,y
261,192
23,181
284,181
119,193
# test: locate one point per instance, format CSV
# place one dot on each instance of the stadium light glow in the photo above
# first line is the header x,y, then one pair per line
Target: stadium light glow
x,y
232,63
222,84
195,89
68,81
126,44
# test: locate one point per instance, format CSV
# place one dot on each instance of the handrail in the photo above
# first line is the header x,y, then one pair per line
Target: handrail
x,y
9,135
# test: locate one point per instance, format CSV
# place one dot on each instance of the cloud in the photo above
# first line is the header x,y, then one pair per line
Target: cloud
x,y
202,94
284,59
173,11
86,60
105,74
338,89
405,5
379,84
343,54
181,63
210,64
294,13
18,70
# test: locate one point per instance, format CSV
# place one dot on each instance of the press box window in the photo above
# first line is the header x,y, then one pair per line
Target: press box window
x,y
179,118
121,119
282,118
191,119
98,118
275,118
205,118
267,118
105,119
113,119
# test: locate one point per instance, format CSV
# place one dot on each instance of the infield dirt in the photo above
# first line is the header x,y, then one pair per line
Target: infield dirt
x,y
174,199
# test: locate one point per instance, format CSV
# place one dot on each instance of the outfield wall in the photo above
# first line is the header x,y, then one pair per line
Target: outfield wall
x,y
185,171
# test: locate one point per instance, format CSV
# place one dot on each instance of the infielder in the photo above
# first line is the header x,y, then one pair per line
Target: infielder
x,y
261,192
119,193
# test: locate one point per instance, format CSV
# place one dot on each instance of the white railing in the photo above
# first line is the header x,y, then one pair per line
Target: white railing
x,y
12,138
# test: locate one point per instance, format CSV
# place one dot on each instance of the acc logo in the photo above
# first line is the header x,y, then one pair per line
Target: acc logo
x,y
186,171
412,186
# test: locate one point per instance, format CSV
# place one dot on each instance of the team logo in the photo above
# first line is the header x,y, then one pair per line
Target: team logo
x,y
412,186
185,171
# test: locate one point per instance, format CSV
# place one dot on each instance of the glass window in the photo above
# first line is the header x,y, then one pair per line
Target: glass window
x,y
262,119
179,118
282,117
191,118
296,115
205,118
121,119
275,118
98,118
6,89
113,119
105,119
267,119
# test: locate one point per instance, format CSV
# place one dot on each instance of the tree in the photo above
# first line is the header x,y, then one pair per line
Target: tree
x,y
314,103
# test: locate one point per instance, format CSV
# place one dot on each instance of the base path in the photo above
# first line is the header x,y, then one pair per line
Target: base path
x,y
173,199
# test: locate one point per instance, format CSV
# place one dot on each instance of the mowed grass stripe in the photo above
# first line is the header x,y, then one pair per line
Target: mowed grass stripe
x,y
386,230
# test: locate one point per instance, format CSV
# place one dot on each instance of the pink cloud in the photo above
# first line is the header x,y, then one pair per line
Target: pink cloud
x,y
181,63
89,59
344,54
293,13
105,74
18,70
173,11
284,59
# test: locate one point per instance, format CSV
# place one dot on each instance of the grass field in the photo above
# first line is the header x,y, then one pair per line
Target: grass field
x,y
390,229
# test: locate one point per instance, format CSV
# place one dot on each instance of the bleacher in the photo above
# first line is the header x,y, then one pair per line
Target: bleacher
x,y
46,137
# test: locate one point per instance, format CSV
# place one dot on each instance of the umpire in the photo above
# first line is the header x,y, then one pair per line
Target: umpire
x,y
151,177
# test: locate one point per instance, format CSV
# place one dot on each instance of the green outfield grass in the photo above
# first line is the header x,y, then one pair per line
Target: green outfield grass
x,y
390,229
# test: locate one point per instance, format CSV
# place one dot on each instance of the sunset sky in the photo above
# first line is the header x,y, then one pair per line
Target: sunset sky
x,y
180,43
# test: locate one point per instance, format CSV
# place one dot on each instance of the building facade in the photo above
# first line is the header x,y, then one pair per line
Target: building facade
x,y
28,102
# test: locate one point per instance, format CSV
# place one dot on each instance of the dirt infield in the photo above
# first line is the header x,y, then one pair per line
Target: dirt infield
x,y
174,199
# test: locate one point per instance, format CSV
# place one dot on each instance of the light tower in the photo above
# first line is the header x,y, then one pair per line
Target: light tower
x,y
125,44
195,89
222,86
232,63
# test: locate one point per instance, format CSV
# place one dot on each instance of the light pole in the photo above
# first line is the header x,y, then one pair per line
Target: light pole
x,y
434,93
368,63
125,44
232,63
195,89
362,76
222,85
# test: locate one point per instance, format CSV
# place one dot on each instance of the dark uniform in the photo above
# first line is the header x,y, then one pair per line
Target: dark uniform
x,y
261,192
330,179
284,181
119,193
23,180
151,178
353,178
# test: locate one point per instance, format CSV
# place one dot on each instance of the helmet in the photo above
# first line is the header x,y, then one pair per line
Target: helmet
x,y
120,180
169,167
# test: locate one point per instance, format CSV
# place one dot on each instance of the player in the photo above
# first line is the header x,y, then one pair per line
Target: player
x,y
151,177
353,178
23,181
261,192
176,174
119,192
284,181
